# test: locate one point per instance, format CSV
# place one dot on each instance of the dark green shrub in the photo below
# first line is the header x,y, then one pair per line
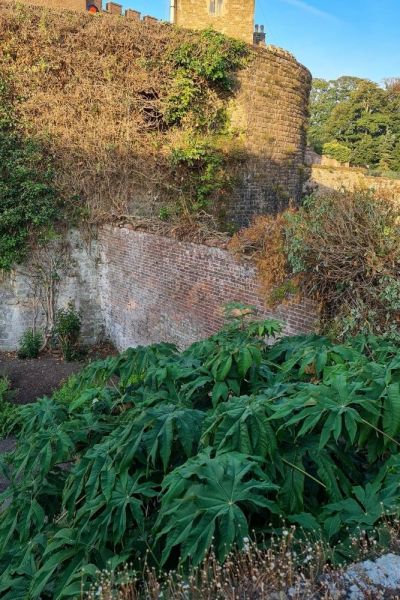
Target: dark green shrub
x,y
67,329
30,344
8,410
169,452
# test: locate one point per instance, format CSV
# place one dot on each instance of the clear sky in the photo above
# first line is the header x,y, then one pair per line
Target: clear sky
x,y
331,37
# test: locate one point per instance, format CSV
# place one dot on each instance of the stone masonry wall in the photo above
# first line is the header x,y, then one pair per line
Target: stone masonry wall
x,y
329,178
232,17
137,288
271,108
80,284
156,288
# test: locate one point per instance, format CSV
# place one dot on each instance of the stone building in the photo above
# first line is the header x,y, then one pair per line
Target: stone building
x,y
232,17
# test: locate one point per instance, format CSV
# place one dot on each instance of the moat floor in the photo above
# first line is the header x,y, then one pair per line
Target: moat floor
x,y
32,379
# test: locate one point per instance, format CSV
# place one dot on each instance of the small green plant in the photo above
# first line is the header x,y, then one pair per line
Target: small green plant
x,y
204,165
67,330
30,344
8,411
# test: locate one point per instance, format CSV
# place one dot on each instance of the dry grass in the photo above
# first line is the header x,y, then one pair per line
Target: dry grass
x,y
263,243
92,88
288,568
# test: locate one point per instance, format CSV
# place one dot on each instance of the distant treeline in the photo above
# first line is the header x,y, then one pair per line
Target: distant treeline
x,y
357,121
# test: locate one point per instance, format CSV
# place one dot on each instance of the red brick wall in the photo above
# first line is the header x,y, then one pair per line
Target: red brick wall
x,y
157,289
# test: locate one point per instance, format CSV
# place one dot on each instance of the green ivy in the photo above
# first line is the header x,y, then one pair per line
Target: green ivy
x,y
210,58
28,201
204,163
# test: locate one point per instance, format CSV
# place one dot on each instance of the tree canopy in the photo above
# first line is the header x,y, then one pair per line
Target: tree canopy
x,y
359,115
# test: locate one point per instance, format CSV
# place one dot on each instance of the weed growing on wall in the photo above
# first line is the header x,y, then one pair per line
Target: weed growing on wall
x,y
165,453
343,250
201,166
204,77
28,201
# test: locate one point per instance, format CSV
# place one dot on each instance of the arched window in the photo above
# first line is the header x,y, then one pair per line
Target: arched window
x,y
211,9
92,9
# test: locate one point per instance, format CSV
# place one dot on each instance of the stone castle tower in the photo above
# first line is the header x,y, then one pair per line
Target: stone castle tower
x,y
232,17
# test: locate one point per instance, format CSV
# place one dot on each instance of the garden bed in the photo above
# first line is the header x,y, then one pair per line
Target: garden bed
x,y
33,379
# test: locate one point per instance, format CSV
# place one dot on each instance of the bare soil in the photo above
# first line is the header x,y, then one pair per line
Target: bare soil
x,y
33,379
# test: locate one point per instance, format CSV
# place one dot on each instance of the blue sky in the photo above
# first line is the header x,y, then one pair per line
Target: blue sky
x,y
331,37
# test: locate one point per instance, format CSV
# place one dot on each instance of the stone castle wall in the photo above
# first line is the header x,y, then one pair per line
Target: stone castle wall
x,y
271,107
137,288
268,111
232,17
325,178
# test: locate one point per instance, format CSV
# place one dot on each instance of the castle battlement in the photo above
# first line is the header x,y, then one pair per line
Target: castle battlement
x,y
235,18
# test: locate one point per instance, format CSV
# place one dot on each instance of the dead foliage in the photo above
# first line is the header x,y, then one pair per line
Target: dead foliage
x,y
92,88
263,242
342,250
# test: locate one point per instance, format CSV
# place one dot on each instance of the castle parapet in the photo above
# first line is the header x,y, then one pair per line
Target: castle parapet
x,y
114,8
133,15
149,20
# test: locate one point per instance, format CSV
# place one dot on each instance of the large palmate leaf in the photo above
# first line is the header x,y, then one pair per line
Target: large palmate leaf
x,y
364,509
167,427
334,411
206,499
241,425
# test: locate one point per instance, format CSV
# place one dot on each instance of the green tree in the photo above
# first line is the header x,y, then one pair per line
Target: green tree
x,y
325,96
360,122
360,115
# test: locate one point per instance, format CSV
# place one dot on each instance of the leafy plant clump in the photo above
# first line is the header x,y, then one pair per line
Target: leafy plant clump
x,y
170,453
8,410
67,329
338,151
208,59
28,199
343,250
30,344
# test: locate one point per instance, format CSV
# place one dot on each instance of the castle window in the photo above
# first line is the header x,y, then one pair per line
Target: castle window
x,y
215,7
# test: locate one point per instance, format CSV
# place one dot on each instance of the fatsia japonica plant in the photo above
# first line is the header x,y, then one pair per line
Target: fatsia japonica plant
x,y
166,454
